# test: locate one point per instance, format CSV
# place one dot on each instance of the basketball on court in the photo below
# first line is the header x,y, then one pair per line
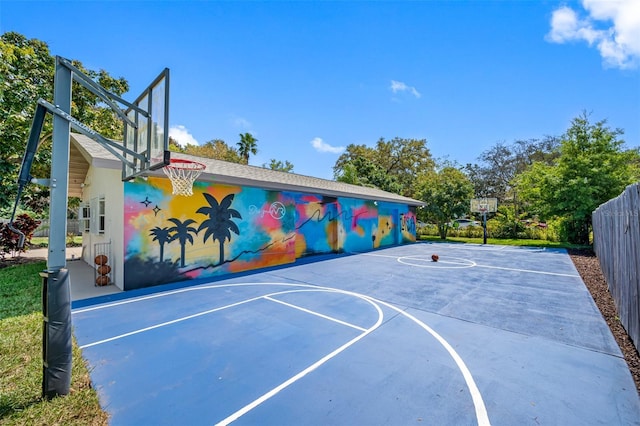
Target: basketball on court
x,y
101,259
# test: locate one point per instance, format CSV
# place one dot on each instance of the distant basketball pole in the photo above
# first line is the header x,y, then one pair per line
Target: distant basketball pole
x,y
484,206
484,227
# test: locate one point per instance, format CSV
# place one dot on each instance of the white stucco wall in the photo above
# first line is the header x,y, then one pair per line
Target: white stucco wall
x,y
108,183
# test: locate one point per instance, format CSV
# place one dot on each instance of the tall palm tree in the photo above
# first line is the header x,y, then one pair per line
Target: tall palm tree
x,y
247,145
219,224
162,236
182,232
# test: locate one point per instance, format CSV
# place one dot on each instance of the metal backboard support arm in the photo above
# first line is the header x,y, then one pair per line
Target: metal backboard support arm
x,y
110,146
107,96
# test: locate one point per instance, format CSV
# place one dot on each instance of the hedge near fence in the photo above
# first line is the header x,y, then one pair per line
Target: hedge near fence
x,y
616,242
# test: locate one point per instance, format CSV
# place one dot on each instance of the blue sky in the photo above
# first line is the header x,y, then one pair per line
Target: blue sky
x,y
309,78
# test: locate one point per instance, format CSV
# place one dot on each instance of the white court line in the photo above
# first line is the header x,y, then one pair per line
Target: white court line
x,y
170,293
427,262
318,314
177,320
480,409
210,311
482,416
470,265
127,301
241,412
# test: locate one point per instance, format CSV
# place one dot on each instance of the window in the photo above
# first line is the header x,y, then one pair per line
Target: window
x,y
85,217
97,221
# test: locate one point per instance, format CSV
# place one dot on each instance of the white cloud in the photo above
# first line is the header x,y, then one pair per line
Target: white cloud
x,y
322,146
182,135
613,27
398,86
242,123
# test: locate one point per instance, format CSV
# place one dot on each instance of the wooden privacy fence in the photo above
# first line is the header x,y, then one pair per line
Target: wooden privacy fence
x,y
616,241
73,227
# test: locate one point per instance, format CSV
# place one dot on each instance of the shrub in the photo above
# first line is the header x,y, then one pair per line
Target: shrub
x,y
427,229
9,240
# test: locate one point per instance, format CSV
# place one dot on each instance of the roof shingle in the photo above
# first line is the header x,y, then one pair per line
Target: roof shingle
x,y
240,174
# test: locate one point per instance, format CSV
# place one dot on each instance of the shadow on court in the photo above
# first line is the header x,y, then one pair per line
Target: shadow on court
x,y
486,335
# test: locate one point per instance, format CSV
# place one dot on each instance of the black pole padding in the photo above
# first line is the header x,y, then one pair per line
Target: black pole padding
x,y
484,227
56,333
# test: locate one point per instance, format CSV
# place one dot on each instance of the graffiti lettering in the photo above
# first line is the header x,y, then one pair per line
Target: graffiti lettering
x,y
276,210
408,223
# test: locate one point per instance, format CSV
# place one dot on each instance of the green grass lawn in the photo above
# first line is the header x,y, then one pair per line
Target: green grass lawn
x,y
505,242
38,242
21,359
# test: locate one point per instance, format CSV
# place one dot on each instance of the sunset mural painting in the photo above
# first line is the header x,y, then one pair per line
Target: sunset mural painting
x,y
223,229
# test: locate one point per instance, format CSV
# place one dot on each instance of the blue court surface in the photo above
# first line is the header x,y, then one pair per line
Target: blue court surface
x,y
486,335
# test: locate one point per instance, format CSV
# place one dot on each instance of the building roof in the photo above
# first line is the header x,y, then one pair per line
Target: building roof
x,y
240,174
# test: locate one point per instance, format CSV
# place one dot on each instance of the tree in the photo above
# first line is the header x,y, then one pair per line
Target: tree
x,y
364,172
219,225
501,163
349,155
446,193
89,108
593,166
247,145
349,175
500,166
405,159
174,146
26,74
394,163
278,165
216,149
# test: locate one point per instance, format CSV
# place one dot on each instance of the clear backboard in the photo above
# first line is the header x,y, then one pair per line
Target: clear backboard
x,y
484,205
151,136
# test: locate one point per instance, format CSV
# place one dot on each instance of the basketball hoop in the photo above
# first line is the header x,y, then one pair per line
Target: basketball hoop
x,y
182,174
484,205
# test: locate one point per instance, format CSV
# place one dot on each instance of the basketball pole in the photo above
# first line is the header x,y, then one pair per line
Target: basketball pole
x,y
56,290
484,226
56,293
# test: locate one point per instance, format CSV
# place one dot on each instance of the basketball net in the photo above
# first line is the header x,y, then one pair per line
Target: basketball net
x,y
483,205
183,173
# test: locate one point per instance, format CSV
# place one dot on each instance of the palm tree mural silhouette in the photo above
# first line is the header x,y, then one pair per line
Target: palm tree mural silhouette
x,y
162,236
182,232
219,225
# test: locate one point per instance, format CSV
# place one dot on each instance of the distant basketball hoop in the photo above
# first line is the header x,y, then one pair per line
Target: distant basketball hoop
x,y
183,173
484,206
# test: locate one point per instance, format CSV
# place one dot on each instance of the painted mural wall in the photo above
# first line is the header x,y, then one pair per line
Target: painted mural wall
x,y
224,229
